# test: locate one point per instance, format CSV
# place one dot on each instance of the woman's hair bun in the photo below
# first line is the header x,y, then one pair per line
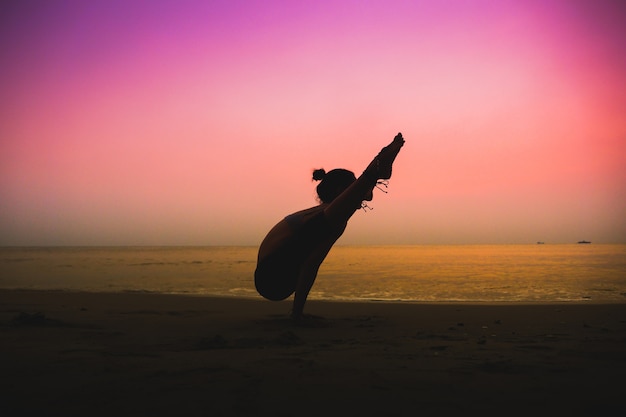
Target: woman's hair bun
x,y
319,174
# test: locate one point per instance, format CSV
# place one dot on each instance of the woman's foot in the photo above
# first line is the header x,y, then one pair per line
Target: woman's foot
x,y
381,165
307,320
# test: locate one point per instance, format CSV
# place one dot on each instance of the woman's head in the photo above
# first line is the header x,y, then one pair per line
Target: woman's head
x,y
332,183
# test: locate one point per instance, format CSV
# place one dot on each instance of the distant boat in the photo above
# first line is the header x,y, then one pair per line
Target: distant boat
x,y
583,242
540,243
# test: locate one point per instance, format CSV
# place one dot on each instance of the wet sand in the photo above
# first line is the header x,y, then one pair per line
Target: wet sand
x,y
104,354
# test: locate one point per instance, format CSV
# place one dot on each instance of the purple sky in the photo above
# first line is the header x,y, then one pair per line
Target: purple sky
x,y
199,122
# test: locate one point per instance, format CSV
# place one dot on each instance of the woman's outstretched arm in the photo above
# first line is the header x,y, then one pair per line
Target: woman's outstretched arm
x,y
349,201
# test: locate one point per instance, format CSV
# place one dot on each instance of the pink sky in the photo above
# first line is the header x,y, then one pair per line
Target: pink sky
x,y
199,122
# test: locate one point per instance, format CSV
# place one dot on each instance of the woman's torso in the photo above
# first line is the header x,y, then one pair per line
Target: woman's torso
x,y
292,226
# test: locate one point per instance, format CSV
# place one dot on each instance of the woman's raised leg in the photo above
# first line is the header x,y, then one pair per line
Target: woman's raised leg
x,y
349,201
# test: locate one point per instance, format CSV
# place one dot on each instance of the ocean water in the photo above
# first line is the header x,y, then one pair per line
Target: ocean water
x,y
463,273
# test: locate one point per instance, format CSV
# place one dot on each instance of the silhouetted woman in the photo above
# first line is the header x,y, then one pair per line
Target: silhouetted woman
x,y
292,252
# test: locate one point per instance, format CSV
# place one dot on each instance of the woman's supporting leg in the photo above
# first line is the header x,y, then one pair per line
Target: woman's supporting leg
x,y
305,283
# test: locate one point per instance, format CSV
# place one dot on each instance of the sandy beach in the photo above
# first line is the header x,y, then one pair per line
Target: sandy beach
x,y
105,354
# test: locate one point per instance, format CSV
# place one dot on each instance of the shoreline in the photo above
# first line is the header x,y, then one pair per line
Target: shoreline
x,y
582,301
101,354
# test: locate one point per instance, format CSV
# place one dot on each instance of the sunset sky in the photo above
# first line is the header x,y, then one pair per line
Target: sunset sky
x,y
199,122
